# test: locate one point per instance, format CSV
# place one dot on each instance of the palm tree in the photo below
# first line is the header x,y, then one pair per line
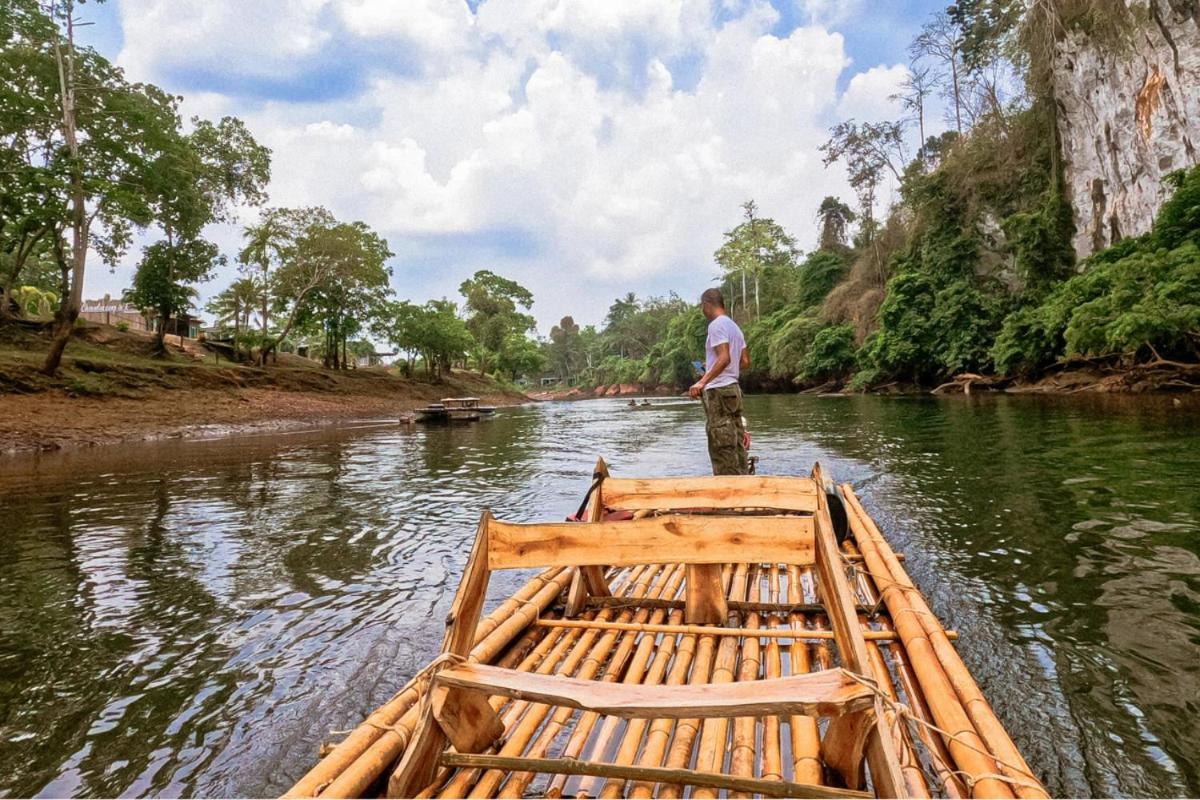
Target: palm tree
x,y
265,244
235,305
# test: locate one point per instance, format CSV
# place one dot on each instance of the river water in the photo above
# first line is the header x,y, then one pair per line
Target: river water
x,y
195,618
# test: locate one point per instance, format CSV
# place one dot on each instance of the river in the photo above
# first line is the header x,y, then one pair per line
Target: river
x,y
188,618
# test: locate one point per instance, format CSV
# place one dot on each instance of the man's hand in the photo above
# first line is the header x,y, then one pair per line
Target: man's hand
x,y
696,390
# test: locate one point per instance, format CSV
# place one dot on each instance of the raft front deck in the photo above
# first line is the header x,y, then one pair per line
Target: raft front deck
x,y
693,637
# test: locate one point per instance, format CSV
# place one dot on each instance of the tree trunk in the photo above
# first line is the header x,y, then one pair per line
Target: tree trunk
x,y
72,300
957,92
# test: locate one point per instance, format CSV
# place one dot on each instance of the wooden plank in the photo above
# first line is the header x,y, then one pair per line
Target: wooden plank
x,y
829,693
657,540
726,491
418,765
470,722
849,733
683,777
705,593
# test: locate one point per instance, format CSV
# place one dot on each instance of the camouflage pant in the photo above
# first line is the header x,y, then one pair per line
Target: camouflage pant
x,y
723,423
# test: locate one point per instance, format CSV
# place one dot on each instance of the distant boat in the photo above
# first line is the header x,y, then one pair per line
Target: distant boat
x,y
454,409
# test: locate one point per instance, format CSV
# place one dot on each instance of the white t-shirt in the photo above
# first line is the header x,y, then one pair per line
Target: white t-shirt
x,y
723,330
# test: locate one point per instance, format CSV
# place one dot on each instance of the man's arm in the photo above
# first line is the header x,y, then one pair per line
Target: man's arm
x,y
722,361
744,361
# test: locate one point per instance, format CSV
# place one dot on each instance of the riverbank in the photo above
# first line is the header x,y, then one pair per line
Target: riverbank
x,y
112,390
1086,377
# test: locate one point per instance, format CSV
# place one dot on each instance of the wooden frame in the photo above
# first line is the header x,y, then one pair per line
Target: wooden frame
x,y
849,737
718,492
830,693
418,765
677,539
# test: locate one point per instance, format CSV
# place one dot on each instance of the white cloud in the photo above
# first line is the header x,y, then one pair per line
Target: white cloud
x,y
829,12
508,125
262,38
436,25
868,97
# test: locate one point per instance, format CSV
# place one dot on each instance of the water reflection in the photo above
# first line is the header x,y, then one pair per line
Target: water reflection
x,y
194,618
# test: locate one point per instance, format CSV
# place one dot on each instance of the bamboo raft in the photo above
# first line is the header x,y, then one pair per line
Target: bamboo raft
x,y
701,637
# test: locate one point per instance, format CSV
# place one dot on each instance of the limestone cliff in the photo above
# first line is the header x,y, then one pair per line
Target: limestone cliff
x,y
1128,115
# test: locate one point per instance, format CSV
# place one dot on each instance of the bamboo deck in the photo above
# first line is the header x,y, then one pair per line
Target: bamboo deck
x,y
824,675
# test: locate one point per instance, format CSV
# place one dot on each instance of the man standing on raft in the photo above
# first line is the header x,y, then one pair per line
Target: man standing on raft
x,y
725,357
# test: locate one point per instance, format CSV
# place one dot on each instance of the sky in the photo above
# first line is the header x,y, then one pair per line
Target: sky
x,y
585,148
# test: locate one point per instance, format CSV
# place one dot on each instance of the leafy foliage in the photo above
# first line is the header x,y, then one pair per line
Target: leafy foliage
x,y
1139,299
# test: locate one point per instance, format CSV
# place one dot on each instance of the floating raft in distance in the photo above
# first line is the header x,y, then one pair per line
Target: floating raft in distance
x,y
692,637
454,409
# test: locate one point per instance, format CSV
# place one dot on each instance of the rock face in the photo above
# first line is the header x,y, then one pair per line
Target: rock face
x,y
1130,114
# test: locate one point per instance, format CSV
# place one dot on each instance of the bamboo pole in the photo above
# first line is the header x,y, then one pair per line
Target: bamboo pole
x,y
707,630
990,729
710,754
672,577
627,752
591,657
966,745
951,784
686,731
910,765
772,746
742,754
692,657
635,673
806,737
358,761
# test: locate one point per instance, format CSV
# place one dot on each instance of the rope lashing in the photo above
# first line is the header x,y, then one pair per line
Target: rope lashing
x,y
902,711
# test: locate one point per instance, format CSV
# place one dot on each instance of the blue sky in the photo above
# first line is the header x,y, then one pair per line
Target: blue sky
x,y
584,147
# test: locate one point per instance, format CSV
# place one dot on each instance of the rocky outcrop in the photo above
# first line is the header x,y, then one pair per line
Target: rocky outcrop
x,y
1129,114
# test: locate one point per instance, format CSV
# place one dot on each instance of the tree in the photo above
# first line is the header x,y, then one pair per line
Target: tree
x,y
941,39
194,181
566,350
235,305
494,303
85,139
758,246
339,275
266,244
162,282
519,356
917,87
867,149
835,218
434,330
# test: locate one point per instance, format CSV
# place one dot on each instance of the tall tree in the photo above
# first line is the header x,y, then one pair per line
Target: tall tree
x,y
495,305
941,40
914,92
85,140
757,246
835,218
334,278
566,348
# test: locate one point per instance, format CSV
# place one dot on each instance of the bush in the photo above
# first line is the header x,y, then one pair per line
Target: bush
x,y
1136,298
122,326
831,354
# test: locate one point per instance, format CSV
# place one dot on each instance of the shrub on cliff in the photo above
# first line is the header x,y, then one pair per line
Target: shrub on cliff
x,y
1138,299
